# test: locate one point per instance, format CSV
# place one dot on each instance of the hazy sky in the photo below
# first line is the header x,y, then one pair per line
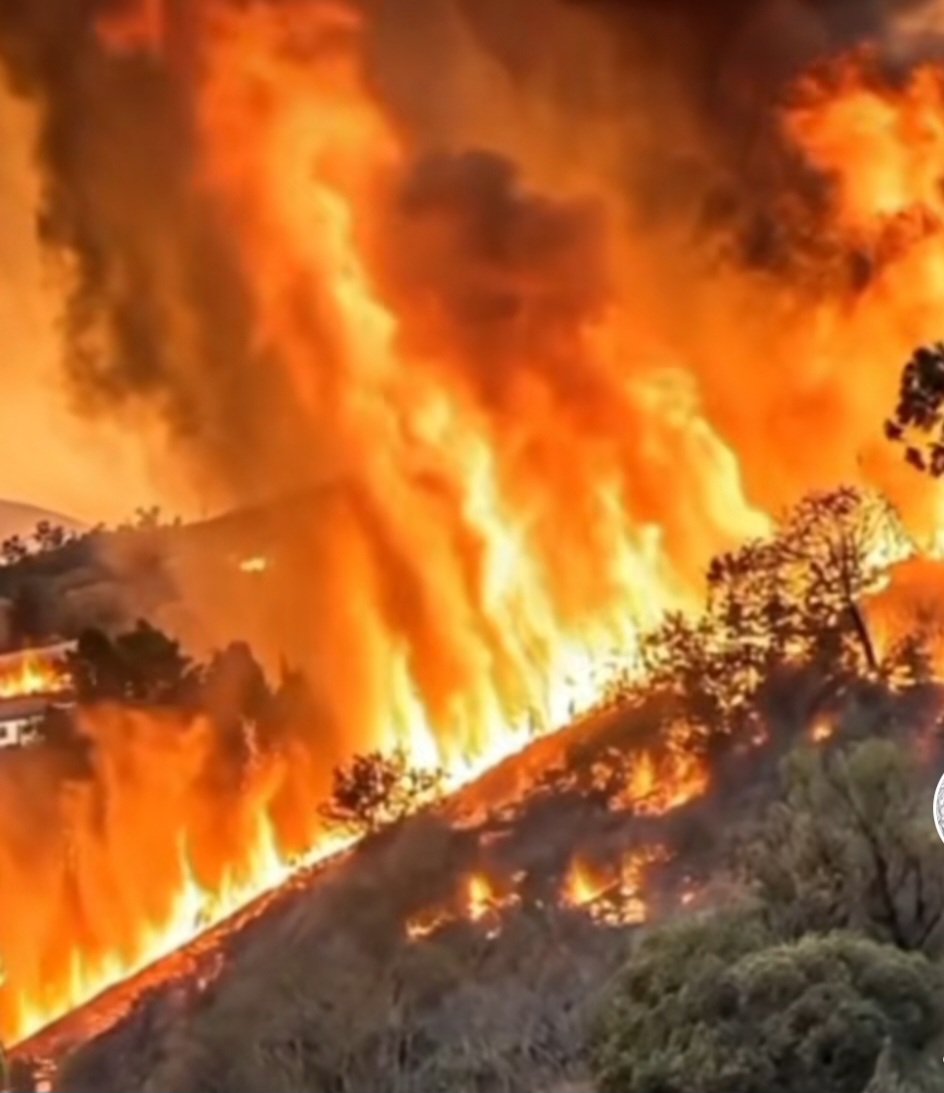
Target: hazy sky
x,y
47,455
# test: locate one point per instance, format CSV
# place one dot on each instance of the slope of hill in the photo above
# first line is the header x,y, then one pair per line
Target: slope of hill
x,y
19,518
467,949
176,575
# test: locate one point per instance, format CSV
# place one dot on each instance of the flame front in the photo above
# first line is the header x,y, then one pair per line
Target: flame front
x,y
528,407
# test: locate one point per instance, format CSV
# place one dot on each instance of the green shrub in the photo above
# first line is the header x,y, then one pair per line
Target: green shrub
x,y
717,1005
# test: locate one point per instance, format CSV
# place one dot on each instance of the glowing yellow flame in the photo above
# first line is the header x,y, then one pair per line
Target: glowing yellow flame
x,y
256,564
34,675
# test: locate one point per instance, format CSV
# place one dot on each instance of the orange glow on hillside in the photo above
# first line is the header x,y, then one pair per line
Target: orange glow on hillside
x,y
537,412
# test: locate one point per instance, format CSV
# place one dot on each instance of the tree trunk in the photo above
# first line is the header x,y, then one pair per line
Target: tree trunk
x,y
865,638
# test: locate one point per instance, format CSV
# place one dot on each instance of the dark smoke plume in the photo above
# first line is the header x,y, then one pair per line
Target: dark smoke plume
x,y
155,310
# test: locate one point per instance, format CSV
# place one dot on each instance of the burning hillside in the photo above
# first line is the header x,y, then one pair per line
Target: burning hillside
x,y
487,938
547,312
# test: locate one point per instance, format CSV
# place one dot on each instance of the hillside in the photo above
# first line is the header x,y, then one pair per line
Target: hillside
x,y
19,518
471,947
489,928
186,578
201,582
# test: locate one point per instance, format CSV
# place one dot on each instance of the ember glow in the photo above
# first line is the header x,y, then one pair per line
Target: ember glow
x,y
615,897
256,564
822,728
528,397
478,901
657,783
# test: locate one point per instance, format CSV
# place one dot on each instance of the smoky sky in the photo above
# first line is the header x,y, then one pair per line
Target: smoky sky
x,y
157,309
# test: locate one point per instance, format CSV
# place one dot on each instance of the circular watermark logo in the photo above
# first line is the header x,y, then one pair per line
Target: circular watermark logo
x,y
938,810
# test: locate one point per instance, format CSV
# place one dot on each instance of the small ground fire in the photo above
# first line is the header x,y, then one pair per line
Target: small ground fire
x,y
522,323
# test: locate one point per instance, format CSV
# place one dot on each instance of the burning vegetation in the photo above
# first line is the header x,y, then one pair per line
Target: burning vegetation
x,y
533,363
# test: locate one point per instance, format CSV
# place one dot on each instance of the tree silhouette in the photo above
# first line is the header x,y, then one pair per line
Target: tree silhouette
x,y
234,686
14,549
293,704
142,665
147,519
835,547
918,420
791,599
50,536
375,790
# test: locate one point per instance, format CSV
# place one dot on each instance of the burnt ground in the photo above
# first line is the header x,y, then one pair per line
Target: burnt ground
x,y
320,986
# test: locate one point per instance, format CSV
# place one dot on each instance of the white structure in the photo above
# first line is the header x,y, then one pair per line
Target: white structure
x,y
30,683
19,718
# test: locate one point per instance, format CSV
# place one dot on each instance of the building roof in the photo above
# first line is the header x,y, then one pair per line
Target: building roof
x,y
24,706
9,662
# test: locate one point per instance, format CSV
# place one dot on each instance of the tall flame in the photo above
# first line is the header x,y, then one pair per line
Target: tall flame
x,y
535,406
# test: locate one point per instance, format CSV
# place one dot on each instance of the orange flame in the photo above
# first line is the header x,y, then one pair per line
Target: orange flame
x,y
822,728
193,909
480,897
256,564
617,899
33,675
660,782
517,487
633,908
582,886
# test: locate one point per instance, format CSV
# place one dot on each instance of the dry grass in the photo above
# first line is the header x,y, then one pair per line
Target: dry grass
x,y
334,997
325,994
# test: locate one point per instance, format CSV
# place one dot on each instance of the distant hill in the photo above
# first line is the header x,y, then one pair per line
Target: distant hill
x,y
17,518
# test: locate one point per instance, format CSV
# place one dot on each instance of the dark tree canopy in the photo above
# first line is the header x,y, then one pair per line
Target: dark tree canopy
x,y
918,420
142,665
33,612
826,975
715,1004
50,536
377,789
851,845
14,549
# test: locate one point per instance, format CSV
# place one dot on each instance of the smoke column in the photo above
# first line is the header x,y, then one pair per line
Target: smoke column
x,y
527,315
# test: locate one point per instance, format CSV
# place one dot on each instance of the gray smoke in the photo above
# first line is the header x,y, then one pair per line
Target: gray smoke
x,y
157,309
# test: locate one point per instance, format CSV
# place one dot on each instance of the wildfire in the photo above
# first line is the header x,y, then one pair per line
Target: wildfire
x,y
33,674
194,908
478,902
655,788
256,564
583,886
540,421
616,899
655,781
480,897
822,728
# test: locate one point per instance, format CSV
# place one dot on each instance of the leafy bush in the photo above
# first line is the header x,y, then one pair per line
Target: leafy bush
x,y
716,1004
851,845
375,790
